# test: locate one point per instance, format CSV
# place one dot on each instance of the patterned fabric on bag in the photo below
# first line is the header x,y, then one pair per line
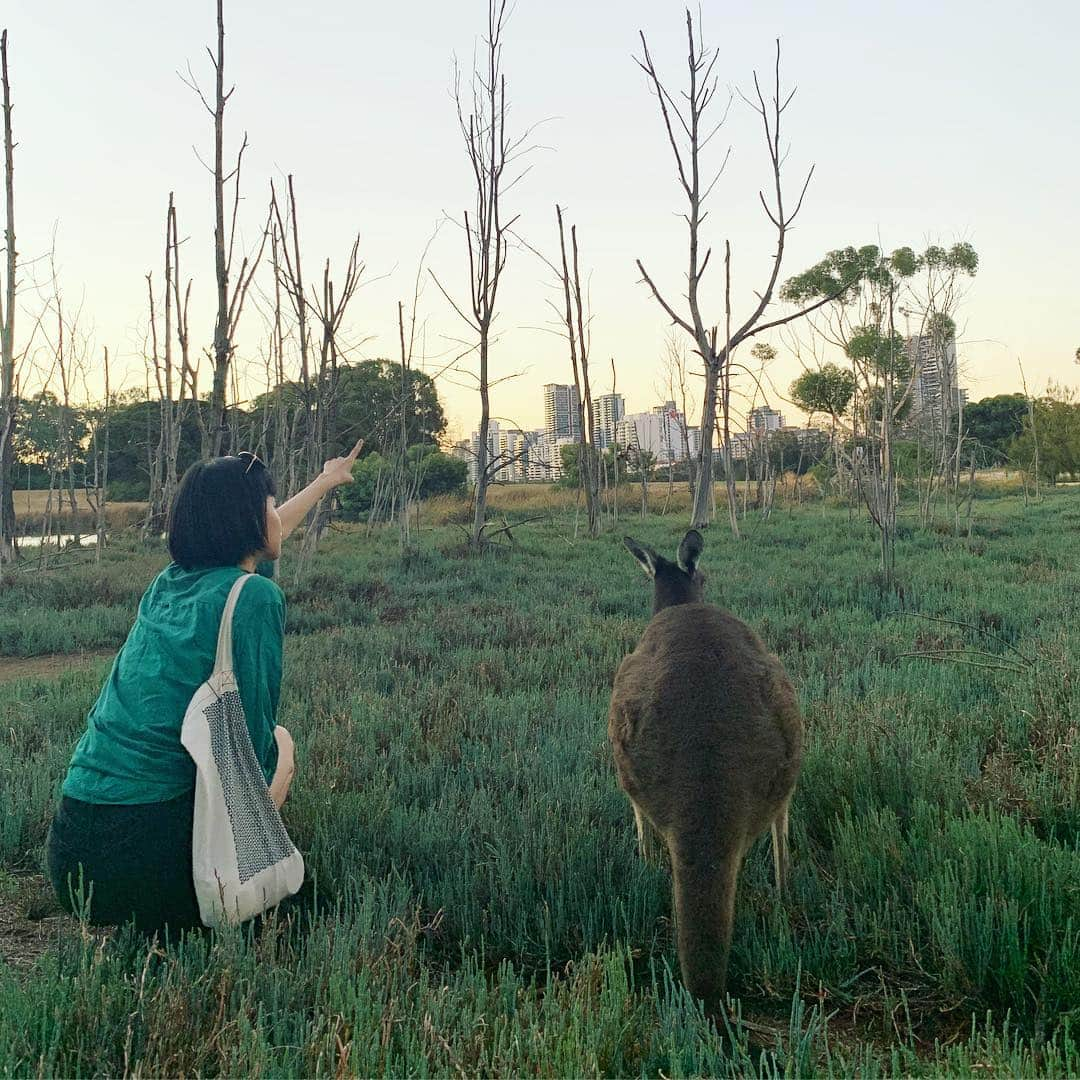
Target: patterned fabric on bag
x,y
258,832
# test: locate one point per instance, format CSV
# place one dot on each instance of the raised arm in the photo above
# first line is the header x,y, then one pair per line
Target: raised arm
x,y
335,472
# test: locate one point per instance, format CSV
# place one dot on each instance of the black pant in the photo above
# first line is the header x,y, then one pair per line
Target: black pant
x,y
125,863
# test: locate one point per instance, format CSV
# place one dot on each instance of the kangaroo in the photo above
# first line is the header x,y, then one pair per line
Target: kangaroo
x,y
707,738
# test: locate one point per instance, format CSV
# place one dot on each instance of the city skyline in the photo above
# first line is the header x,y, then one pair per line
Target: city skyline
x,y
74,103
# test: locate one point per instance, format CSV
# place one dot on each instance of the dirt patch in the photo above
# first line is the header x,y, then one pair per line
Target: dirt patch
x,y
49,666
29,920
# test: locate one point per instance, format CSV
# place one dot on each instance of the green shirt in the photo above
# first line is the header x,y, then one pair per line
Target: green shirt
x,y
131,750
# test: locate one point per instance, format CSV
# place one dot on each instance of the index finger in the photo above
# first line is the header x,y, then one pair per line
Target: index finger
x,y
356,450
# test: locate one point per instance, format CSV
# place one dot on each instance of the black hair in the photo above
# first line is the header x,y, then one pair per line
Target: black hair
x,y
218,517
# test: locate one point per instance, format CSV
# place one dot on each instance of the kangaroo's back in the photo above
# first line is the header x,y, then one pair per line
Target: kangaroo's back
x,y
703,711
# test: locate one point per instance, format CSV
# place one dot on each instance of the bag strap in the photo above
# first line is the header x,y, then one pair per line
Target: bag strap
x,y
224,659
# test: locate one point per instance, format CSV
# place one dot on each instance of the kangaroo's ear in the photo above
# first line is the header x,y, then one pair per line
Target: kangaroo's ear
x,y
690,551
644,555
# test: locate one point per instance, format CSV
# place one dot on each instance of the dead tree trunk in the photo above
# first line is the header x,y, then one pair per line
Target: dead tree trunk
x,y
222,344
7,329
65,365
293,281
96,478
579,361
330,311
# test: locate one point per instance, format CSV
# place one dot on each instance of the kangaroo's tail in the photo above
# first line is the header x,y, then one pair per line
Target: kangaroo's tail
x,y
704,886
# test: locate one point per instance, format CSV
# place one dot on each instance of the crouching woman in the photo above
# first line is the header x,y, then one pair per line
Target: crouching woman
x,y
120,846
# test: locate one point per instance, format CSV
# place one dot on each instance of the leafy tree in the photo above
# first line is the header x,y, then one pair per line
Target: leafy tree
x,y
995,422
571,466
135,426
788,454
828,390
1057,430
439,473
369,401
36,441
881,353
357,498
369,406
431,472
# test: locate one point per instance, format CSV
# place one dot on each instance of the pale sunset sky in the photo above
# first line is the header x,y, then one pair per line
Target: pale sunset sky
x,y
925,120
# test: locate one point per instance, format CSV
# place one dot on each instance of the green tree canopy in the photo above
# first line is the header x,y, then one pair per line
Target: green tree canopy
x,y
994,422
827,390
430,472
1056,436
841,270
370,396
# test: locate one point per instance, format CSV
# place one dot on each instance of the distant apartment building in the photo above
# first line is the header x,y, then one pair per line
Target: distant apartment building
x,y
935,392
764,419
608,411
474,450
741,445
562,416
513,460
545,456
806,436
538,465
662,432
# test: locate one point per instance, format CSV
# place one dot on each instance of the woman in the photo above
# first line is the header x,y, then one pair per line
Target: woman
x,y
119,848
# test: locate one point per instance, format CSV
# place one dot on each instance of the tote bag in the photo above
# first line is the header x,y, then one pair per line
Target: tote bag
x,y
242,858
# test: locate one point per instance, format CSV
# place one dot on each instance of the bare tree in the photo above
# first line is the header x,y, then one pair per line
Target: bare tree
x,y
229,304
614,458
1034,432
7,328
96,476
65,366
330,308
689,132
408,481
173,376
482,121
578,339
291,277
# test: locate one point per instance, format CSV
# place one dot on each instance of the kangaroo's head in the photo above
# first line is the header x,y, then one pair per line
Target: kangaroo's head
x,y
673,582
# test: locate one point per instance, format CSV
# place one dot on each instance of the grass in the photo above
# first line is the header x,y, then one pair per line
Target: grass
x,y
484,911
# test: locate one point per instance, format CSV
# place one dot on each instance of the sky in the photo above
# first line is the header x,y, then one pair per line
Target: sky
x,y
923,121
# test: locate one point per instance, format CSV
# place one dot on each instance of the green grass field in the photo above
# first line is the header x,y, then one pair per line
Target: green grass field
x,y
483,910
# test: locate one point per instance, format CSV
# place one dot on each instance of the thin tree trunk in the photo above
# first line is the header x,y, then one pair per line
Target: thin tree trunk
x,y
222,345
7,329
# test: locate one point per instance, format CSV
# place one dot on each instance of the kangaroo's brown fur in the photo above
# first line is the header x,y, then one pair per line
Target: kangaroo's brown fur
x,y
707,738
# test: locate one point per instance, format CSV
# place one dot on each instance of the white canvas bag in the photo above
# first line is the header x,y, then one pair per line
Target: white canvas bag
x,y
242,858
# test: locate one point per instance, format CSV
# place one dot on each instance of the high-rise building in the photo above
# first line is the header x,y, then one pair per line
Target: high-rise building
x,y
474,450
663,432
538,468
935,393
562,414
741,445
513,461
608,410
764,419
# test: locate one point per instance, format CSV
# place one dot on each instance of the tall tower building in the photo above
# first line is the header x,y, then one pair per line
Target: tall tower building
x,y
935,393
608,410
562,411
765,419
